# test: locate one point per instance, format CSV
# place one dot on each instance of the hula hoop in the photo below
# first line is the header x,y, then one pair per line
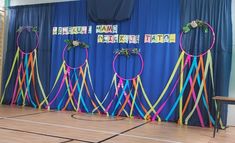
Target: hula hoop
x,y
71,66
212,43
28,28
140,72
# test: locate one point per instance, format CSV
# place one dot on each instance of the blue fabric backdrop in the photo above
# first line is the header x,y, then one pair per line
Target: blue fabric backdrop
x,y
39,16
218,15
149,17
159,18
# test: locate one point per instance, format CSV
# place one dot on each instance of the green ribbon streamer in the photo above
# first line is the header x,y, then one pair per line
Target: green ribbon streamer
x,y
167,86
16,58
57,78
39,82
147,100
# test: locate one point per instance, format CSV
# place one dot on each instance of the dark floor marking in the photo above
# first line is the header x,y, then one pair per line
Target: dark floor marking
x,y
23,115
114,119
42,134
26,114
67,141
123,132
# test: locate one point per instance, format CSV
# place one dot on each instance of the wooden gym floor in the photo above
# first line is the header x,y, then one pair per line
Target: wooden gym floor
x,y
28,125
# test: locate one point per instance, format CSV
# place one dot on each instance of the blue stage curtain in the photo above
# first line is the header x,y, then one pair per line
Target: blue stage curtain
x,y
109,10
160,18
39,16
149,17
218,15
159,59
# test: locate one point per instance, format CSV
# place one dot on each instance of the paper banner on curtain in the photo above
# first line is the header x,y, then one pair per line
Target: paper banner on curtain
x,y
72,30
107,29
131,39
159,38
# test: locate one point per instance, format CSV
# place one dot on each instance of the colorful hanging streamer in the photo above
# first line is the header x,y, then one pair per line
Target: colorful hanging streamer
x,y
126,92
69,74
25,79
128,95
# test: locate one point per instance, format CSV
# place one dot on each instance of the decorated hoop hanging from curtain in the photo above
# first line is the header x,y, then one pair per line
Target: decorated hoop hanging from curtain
x,y
194,63
124,85
27,74
127,90
80,74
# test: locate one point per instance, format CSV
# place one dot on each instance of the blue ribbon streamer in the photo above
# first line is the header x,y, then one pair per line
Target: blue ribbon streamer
x,y
120,97
61,101
182,91
203,98
79,90
27,81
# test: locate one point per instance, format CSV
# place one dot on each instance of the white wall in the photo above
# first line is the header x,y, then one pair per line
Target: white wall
x,y
231,108
1,3
28,2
